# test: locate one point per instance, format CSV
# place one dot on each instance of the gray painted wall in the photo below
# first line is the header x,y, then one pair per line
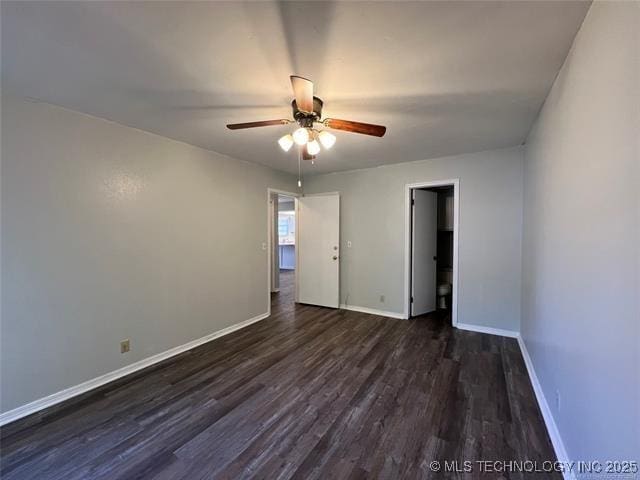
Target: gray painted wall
x,y
372,218
580,246
111,233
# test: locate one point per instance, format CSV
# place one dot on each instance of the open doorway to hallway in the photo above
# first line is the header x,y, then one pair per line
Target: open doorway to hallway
x,y
304,256
286,248
283,249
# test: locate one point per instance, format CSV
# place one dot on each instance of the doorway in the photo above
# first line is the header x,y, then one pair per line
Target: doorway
x,y
282,248
431,249
285,254
303,249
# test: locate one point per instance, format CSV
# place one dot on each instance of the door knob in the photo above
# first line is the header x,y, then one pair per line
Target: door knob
x,y
335,257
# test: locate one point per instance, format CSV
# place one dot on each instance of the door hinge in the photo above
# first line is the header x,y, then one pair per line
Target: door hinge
x,y
411,299
413,201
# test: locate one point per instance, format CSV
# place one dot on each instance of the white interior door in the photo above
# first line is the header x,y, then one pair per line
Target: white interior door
x,y
424,237
318,250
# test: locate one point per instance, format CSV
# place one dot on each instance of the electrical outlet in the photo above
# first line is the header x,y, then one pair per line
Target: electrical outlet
x,y
125,346
381,298
558,400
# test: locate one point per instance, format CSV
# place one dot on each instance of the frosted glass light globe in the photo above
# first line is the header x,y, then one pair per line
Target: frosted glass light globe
x,y
286,142
313,147
326,139
301,136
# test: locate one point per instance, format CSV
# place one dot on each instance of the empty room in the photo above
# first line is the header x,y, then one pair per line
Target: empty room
x,y
320,240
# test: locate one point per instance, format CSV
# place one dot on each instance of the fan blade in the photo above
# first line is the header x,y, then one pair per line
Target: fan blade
x,y
356,127
266,123
303,91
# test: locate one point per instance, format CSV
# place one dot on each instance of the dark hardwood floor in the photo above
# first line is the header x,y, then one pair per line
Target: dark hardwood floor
x,y
307,393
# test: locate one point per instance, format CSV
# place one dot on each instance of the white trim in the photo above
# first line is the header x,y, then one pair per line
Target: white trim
x,y
490,330
372,311
296,251
455,182
552,428
271,234
320,194
84,387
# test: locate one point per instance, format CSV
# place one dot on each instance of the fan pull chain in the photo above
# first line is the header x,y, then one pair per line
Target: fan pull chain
x,y
299,168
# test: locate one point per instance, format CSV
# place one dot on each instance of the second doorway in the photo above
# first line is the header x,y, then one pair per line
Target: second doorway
x,y
432,250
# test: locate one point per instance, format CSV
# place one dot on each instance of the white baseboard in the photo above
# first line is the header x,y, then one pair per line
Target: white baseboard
x,y
490,330
53,399
372,311
552,428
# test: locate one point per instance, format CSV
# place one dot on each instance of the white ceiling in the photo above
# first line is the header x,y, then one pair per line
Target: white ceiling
x,y
444,77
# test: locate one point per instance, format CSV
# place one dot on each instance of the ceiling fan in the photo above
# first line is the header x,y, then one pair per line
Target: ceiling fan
x,y
307,113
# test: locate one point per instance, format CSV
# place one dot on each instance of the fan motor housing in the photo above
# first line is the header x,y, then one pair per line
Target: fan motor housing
x,y
306,119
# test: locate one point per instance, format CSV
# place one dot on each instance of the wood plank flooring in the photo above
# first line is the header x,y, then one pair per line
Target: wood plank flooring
x,y
307,393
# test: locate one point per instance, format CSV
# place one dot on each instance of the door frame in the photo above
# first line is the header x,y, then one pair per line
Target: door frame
x,y
271,234
455,183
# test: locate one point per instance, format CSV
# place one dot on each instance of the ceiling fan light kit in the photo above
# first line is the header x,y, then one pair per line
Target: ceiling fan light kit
x,y
301,136
326,139
313,147
307,111
286,142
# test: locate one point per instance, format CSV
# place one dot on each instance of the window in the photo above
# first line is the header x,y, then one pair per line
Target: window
x,y
286,228
283,226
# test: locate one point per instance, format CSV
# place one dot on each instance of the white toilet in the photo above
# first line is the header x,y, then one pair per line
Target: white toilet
x,y
444,290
